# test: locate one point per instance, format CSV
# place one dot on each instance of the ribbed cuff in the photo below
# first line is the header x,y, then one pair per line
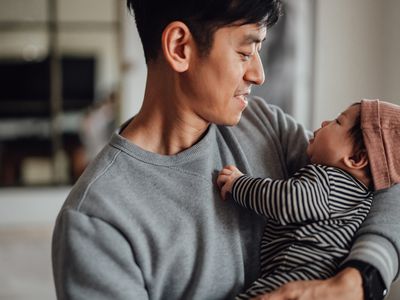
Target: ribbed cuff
x,y
378,252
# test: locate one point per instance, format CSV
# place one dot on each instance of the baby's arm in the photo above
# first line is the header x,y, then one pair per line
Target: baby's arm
x,y
226,178
298,199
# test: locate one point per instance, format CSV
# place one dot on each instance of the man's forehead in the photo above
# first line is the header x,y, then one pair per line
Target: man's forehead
x,y
253,33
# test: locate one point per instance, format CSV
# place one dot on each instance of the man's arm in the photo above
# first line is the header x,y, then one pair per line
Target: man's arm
x,y
378,240
347,285
92,260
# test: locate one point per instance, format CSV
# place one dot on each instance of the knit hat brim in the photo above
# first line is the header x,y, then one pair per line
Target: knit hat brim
x,y
380,123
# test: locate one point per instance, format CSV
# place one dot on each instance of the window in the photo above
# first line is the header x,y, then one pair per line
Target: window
x,y
60,71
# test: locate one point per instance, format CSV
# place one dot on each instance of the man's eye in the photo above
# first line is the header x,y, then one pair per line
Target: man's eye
x,y
245,56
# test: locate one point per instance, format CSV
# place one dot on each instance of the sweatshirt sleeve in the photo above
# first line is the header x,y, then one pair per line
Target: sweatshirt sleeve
x,y
378,240
293,138
92,260
304,197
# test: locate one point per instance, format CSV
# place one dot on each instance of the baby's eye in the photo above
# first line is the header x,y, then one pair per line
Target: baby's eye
x,y
337,121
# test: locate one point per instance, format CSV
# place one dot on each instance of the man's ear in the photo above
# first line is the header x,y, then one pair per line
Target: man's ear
x,y
176,44
359,160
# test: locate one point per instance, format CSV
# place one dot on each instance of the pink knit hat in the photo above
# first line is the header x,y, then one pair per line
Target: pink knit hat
x,y
380,123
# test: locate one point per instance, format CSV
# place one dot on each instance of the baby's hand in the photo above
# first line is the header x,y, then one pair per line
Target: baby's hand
x,y
226,179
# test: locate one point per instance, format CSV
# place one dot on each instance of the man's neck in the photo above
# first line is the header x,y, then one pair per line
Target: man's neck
x,y
155,134
164,124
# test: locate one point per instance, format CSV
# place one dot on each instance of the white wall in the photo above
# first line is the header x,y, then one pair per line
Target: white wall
x,y
349,57
357,46
135,71
391,50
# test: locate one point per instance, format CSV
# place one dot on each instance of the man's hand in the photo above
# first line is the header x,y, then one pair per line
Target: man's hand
x,y
346,285
226,179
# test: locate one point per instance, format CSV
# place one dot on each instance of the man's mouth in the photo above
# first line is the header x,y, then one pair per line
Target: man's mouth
x,y
243,99
244,93
242,96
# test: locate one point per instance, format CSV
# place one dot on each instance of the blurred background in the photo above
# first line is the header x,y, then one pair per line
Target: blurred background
x,y
71,71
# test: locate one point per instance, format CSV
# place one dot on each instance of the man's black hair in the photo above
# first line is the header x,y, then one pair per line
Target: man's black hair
x,y
203,17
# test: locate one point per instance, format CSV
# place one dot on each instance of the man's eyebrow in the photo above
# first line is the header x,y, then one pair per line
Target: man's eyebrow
x,y
252,38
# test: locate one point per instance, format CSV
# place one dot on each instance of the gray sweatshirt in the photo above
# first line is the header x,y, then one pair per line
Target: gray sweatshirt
x,y
139,225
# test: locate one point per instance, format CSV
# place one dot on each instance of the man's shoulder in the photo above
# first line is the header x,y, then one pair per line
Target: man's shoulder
x,y
260,114
261,107
96,176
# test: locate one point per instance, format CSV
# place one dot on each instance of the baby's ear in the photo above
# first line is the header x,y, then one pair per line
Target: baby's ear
x,y
359,160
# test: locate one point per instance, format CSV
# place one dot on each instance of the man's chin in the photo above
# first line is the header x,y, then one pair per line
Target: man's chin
x,y
236,121
232,122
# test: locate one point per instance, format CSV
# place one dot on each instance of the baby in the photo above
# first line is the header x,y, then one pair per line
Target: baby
x,y
313,216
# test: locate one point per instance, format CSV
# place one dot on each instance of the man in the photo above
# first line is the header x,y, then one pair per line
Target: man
x,y
145,220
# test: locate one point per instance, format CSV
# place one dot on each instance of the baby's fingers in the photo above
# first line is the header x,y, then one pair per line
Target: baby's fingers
x,y
221,180
225,171
224,191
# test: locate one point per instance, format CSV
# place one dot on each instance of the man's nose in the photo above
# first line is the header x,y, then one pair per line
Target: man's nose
x,y
255,72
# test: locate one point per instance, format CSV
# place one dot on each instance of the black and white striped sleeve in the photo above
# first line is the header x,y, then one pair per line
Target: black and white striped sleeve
x,y
302,198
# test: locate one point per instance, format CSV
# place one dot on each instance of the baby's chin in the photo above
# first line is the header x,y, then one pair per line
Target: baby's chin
x,y
309,153
314,161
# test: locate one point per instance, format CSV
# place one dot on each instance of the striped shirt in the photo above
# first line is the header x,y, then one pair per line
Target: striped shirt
x,y
311,220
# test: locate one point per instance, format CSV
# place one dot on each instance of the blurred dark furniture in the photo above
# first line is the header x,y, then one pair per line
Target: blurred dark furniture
x,y
25,86
25,94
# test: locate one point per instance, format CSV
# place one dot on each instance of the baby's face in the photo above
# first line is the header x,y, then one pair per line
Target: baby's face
x,y
332,142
